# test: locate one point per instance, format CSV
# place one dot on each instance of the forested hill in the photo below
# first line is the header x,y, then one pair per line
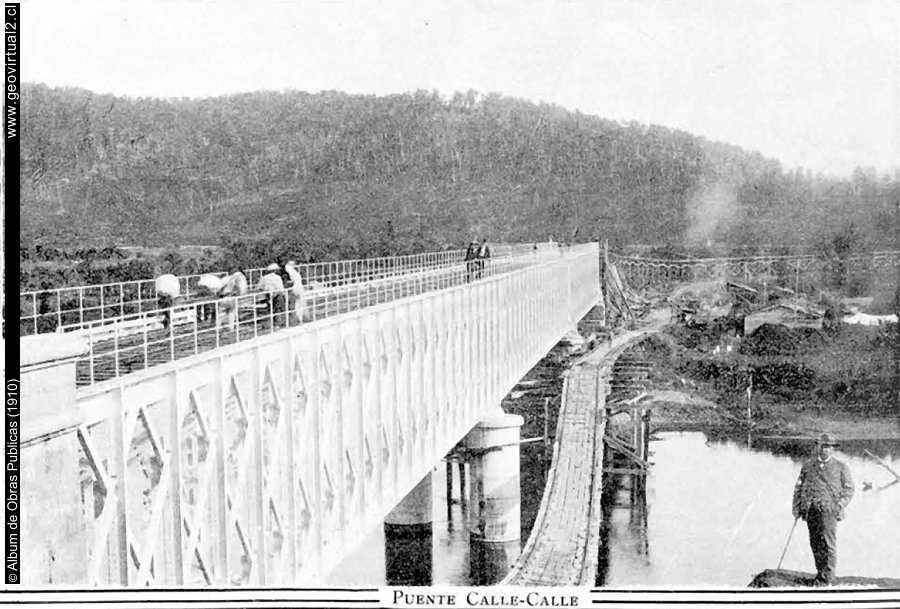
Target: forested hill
x,y
337,175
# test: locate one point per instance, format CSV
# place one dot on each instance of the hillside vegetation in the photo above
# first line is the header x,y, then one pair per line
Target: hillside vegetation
x,y
332,175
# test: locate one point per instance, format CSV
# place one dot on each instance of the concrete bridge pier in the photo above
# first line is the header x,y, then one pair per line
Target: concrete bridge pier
x,y
408,538
494,506
52,541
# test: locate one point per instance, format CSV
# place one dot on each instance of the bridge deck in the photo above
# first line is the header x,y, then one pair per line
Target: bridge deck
x,y
562,548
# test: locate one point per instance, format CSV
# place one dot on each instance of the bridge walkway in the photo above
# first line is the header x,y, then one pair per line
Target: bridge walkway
x,y
114,350
562,547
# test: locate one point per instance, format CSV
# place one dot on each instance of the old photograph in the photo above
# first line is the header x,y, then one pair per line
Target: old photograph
x,y
452,303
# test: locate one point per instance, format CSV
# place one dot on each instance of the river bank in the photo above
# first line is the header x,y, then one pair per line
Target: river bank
x,y
687,411
711,385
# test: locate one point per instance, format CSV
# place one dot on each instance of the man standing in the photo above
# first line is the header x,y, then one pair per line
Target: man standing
x,y
471,260
823,490
484,253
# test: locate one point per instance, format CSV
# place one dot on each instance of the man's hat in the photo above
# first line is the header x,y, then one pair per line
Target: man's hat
x,y
473,241
826,439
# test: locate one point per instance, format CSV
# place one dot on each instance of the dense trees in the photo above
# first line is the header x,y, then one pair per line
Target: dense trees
x,y
335,175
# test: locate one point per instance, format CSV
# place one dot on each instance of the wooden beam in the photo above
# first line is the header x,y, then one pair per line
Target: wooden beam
x,y
625,405
623,449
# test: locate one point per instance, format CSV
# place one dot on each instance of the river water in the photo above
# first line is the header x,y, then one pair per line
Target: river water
x,y
713,513
718,513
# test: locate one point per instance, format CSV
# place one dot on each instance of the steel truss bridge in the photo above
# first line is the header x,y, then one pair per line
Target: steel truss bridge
x,y
197,455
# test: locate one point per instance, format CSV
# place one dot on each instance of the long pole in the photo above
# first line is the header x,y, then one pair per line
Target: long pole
x,y
791,534
883,464
750,401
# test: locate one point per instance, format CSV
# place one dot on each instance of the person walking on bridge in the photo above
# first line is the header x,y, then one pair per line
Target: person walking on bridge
x,y
823,491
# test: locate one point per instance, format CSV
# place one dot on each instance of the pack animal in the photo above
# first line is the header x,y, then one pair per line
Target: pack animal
x,y
168,291
228,290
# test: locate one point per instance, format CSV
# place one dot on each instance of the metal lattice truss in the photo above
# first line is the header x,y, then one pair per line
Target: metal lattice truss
x,y
266,462
647,272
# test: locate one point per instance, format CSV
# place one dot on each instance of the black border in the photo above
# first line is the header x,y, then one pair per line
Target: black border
x,y
11,313
12,188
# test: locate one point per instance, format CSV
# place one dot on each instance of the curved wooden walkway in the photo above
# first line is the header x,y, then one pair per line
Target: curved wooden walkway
x,y
562,547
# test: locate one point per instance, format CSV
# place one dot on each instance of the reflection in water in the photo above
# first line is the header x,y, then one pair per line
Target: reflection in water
x,y
718,514
450,547
714,513
625,513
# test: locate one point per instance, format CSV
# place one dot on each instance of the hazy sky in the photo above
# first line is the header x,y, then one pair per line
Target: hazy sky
x,y
811,83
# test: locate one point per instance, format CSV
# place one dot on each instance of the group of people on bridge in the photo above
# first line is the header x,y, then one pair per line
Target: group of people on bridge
x,y
476,256
281,285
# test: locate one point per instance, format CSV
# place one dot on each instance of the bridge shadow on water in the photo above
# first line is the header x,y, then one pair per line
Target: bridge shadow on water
x,y
624,509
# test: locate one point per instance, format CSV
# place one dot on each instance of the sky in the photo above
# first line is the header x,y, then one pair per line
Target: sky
x,y
813,84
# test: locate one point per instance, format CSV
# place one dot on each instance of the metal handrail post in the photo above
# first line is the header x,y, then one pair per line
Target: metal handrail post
x,y
146,346
116,350
91,353
171,312
196,332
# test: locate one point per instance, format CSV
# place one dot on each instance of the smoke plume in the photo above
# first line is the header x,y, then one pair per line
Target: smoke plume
x,y
710,212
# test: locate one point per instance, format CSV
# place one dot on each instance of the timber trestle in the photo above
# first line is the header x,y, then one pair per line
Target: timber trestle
x,y
562,547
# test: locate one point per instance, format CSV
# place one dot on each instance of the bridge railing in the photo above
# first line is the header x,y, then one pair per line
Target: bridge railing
x,y
49,310
264,463
138,341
